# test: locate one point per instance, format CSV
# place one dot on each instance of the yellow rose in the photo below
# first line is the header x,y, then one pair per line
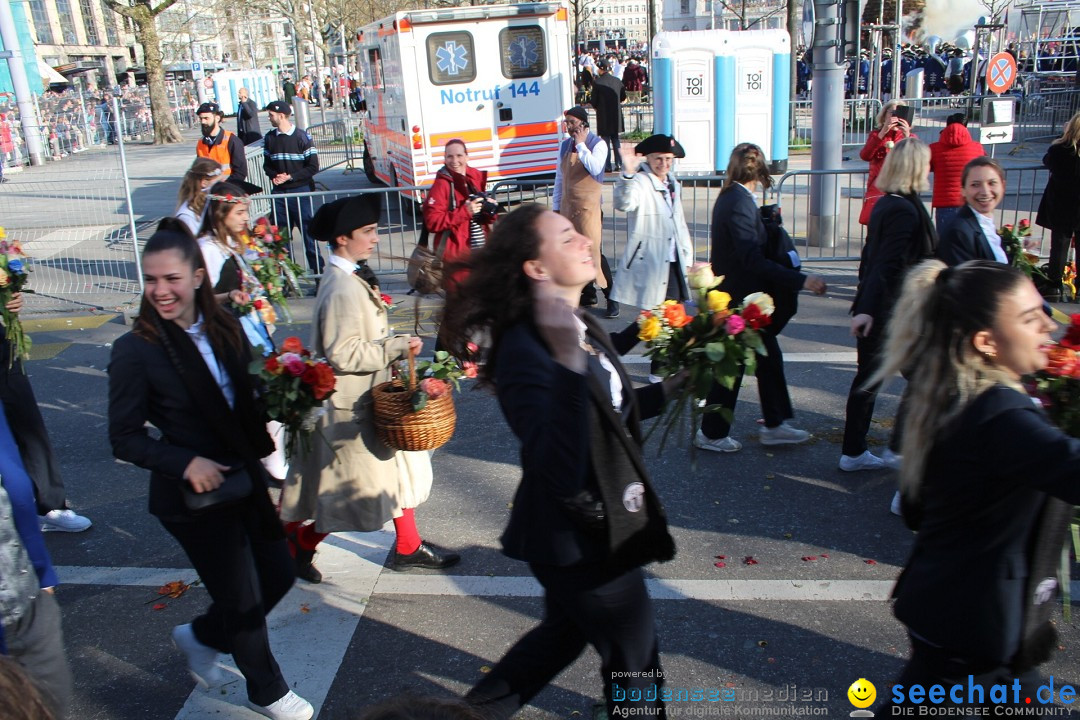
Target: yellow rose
x,y
764,302
718,300
649,329
5,278
3,233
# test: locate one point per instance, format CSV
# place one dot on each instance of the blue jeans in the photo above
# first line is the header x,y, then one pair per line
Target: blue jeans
x,y
291,211
943,217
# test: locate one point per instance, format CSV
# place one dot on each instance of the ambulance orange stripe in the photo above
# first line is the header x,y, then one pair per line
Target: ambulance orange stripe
x,y
528,129
440,139
515,145
527,152
515,172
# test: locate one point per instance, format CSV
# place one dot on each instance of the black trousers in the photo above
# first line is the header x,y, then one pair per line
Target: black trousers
x,y
1060,242
614,161
246,575
772,392
588,293
28,427
292,211
861,400
930,666
582,605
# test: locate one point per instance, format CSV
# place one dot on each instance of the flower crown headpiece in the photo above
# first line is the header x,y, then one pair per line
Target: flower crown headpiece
x,y
230,198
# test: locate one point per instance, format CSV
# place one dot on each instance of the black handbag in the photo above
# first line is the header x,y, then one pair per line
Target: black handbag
x,y
235,488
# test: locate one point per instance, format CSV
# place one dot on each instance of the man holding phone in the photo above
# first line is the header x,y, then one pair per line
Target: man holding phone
x,y
579,180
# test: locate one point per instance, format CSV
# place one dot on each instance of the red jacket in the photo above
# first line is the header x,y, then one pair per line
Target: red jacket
x,y
954,149
452,226
874,152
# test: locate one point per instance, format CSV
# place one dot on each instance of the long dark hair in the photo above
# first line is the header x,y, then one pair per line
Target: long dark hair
x,y
496,294
223,197
221,327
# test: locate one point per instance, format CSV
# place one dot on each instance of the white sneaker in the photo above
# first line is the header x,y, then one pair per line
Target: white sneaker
x,y
655,378
891,459
783,434
723,445
895,507
866,461
290,707
63,521
201,660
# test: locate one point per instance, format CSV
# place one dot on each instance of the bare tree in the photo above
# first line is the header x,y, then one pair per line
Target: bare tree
x,y
144,17
580,11
751,12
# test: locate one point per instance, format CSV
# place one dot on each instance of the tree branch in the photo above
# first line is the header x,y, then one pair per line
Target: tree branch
x,y
165,5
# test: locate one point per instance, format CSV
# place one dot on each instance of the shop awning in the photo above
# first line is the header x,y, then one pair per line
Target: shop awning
x,y
49,74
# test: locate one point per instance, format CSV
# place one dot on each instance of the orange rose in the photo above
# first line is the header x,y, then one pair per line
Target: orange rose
x,y
292,344
676,315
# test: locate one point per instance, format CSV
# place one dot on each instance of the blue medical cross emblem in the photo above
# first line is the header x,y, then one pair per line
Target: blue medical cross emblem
x,y
452,58
523,52
1001,72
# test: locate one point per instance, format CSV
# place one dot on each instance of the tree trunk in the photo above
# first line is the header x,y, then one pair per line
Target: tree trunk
x,y
165,129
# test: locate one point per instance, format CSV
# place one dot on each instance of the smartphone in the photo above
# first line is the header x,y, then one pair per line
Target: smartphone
x,y
905,113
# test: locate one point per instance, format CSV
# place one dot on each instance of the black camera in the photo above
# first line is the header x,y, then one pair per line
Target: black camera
x,y
488,208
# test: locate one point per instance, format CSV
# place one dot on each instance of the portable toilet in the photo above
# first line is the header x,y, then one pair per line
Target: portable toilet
x,y
714,89
261,85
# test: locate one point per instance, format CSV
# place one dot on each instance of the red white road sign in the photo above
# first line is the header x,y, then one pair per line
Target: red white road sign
x,y
1001,73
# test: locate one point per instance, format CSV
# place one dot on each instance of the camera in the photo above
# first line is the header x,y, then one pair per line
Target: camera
x,y
488,208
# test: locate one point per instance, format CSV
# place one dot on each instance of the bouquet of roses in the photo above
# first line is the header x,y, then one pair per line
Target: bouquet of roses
x,y
266,253
296,384
435,377
710,345
13,276
275,241
1016,246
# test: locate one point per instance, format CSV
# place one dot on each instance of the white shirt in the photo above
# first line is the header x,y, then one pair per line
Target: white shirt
x,y
198,336
615,386
593,162
214,257
186,215
340,262
753,195
992,237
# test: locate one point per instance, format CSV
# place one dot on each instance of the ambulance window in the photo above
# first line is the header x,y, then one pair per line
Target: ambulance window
x,y
450,58
522,51
375,62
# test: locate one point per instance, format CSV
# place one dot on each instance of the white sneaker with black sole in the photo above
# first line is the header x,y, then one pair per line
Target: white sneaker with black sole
x,y
290,707
866,461
721,445
64,520
783,434
201,659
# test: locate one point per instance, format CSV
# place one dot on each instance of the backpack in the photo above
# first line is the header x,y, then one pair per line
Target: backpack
x,y
780,249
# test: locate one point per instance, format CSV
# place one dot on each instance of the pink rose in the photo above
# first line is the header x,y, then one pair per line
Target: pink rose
x,y
295,366
434,387
734,325
469,369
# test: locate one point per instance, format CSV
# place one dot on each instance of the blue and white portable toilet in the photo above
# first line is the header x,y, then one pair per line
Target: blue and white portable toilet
x,y
714,89
261,85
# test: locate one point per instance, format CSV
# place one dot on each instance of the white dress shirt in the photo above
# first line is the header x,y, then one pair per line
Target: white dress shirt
x,y
198,336
992,237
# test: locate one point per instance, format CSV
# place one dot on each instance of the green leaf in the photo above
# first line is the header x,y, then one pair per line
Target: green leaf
x,y
715,351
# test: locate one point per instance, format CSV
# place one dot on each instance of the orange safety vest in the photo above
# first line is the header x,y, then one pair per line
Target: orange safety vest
x,y
218,153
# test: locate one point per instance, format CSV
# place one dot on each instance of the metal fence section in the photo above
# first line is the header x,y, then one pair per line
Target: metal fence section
x,y
334,142
1042,115
859,117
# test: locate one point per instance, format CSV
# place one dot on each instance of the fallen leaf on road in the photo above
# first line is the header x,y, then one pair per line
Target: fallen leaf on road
x,y
809,558
305,609
720,564
749,560
174,589
870,562
160,606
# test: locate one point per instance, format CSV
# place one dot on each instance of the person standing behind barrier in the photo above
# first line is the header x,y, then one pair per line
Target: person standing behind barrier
x,y
1059,209
351,480
291,162
979,591
247,118
973,234
288,90
579,183
900,235
890,130
191,211
949,157
658,250
738,242
585,516
633,80
105,118
608,95
220,144
183,367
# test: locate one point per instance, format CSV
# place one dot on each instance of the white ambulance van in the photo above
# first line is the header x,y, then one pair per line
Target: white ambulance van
x,y
496,76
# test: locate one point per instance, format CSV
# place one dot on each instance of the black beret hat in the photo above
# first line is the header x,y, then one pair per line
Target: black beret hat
x,y
341,217
660,144
209,107
578,112
279,107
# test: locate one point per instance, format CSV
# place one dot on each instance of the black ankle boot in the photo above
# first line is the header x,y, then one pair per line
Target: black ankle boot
x,y
305,567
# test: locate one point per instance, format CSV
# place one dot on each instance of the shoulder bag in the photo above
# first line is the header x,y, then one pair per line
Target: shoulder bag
x,y
425,271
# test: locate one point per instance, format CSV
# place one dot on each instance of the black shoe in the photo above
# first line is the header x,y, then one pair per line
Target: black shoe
x,y
426,556
612,309
305,566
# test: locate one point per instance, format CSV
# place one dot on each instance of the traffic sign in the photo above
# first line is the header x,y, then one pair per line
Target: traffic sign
x,y
196,67
996,134
1001,73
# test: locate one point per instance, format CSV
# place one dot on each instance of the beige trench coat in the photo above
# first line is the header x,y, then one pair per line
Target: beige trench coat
x,y
367,483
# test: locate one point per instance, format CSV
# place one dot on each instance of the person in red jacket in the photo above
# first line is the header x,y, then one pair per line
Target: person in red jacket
x,y
890,130
634,78
455,213
949,156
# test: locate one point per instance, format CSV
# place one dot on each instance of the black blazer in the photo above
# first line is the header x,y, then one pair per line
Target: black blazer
x,y
144,385
987,482
572,440
899,236
964,240
738,242
1058,209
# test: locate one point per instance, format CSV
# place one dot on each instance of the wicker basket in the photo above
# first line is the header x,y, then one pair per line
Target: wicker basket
x,y
400,427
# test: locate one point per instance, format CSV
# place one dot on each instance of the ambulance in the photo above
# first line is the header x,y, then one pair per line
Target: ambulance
x,y
496,76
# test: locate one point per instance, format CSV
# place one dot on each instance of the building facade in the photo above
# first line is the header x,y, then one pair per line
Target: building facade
x,y
84,40
683,15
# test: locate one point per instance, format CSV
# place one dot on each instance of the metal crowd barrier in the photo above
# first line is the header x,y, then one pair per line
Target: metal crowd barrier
x,y
334,141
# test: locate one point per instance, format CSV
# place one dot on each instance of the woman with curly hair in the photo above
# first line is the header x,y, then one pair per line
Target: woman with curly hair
x,y
585,516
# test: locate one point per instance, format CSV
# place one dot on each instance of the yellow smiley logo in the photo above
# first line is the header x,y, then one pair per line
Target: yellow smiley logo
x,y
862,693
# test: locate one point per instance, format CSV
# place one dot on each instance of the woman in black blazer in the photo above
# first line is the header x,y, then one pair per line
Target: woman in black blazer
x,y
987,480
183,368
900,235
973,235
1059,209
585,516
738,241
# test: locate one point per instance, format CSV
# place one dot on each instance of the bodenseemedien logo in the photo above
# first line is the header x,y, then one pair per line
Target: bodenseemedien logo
x,y
862,694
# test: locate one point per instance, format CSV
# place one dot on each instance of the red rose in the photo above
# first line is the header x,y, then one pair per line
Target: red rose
x,y
262,221
755,319
1025,223
258,304
292,344
272,366
320,378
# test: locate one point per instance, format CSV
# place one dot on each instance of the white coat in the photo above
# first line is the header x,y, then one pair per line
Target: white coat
x,y
642,276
